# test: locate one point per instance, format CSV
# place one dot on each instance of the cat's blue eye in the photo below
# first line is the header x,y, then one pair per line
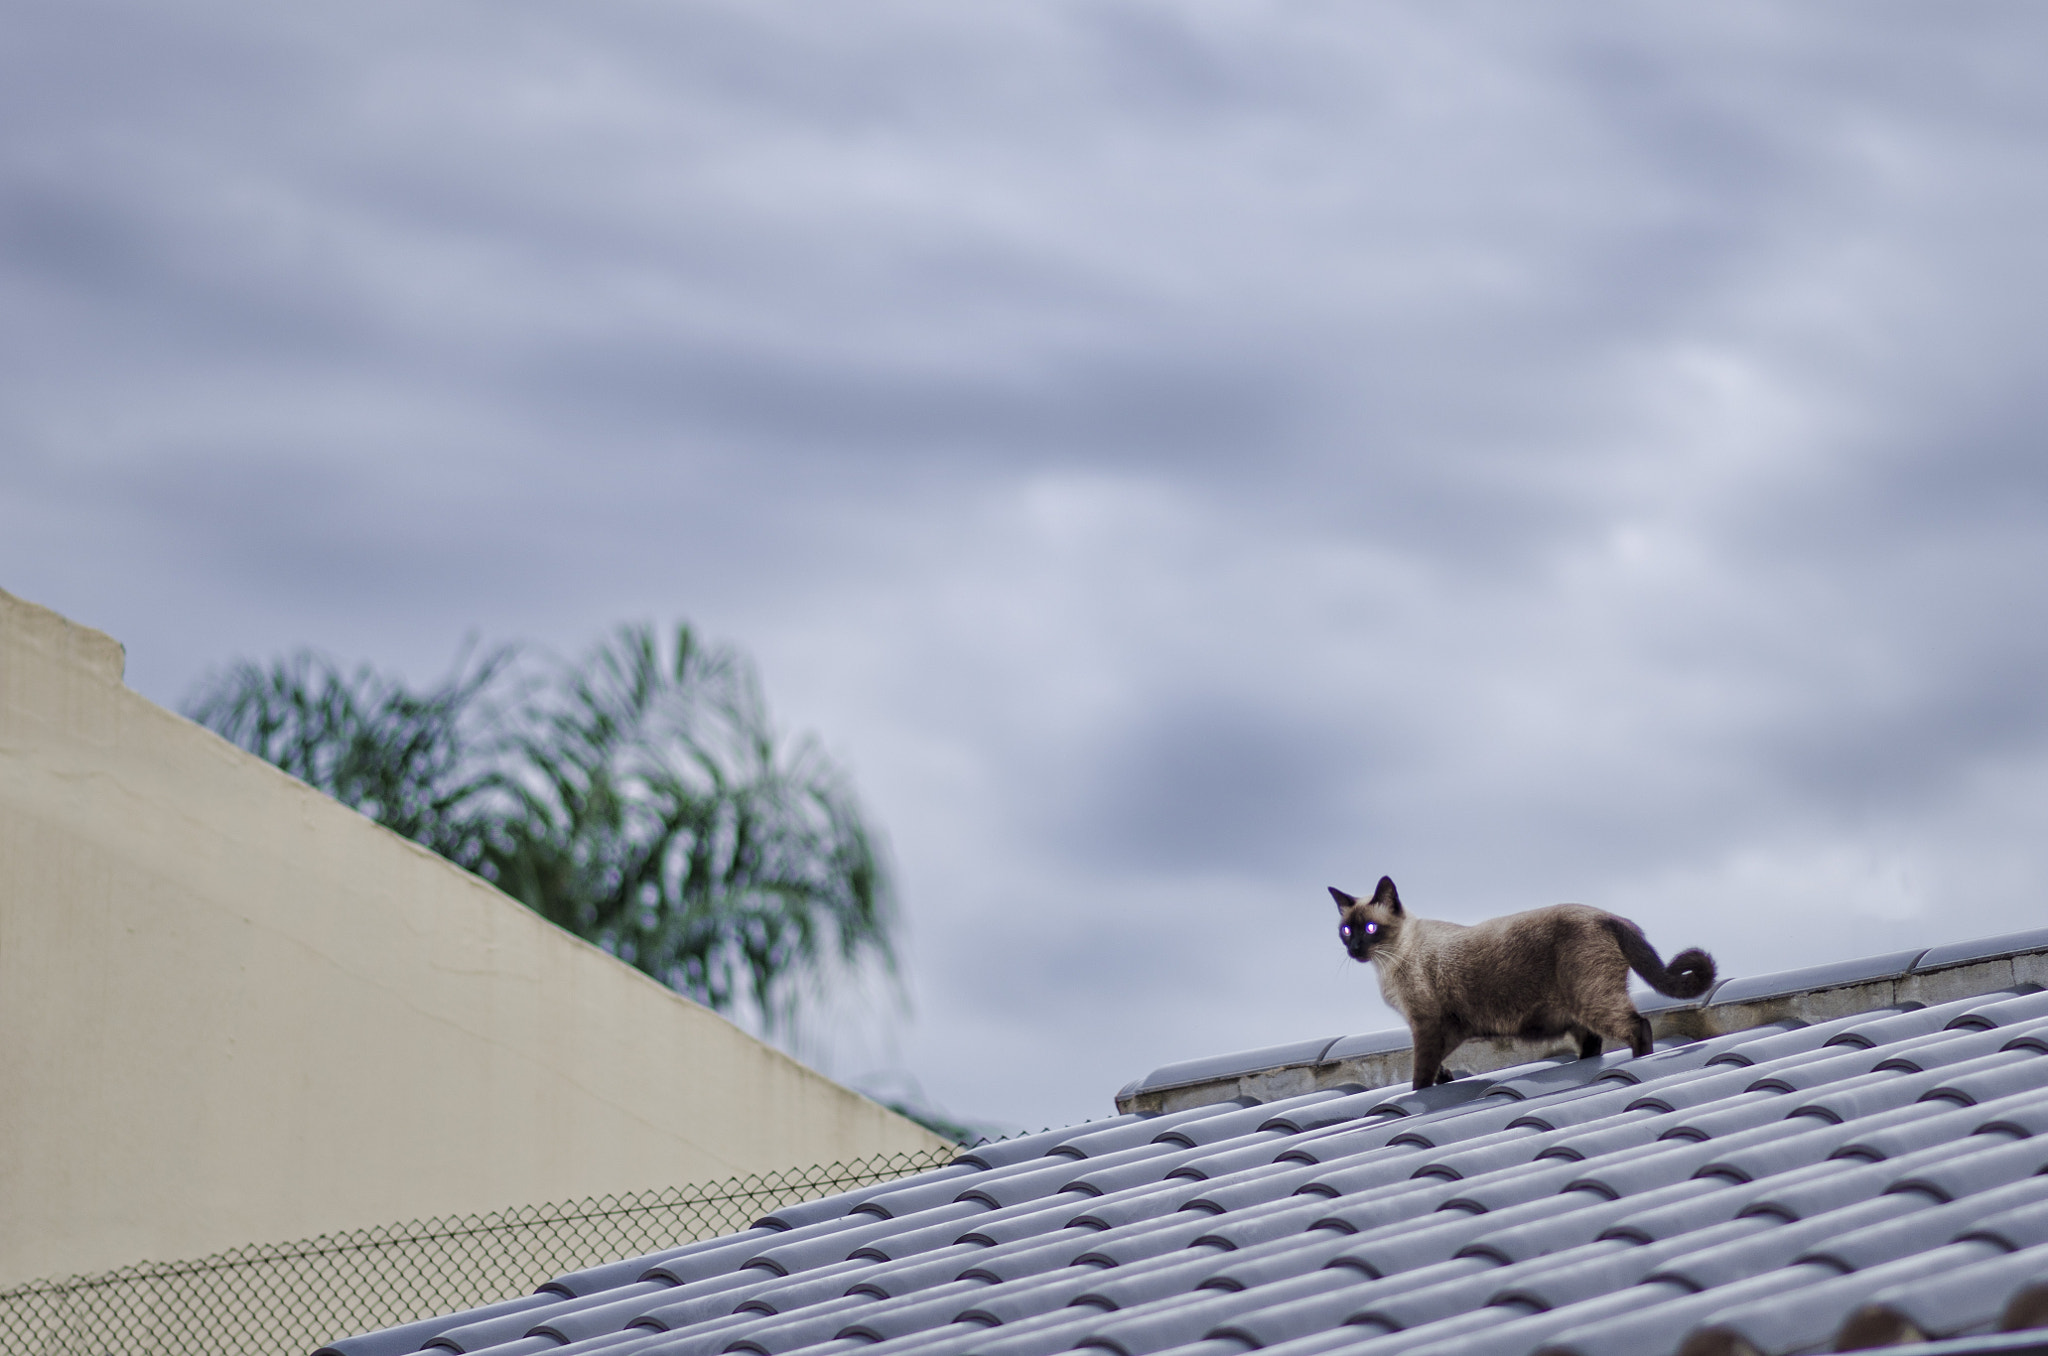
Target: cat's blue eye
x,y
1372,928
1345,932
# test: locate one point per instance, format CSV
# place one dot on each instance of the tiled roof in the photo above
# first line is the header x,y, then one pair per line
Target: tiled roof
x,y
1872,1177
1900,979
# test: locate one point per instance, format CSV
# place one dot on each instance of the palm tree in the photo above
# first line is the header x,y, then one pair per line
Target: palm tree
x,y
639,799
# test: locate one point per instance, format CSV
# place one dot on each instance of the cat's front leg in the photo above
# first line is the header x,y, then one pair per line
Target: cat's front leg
x,y
1432,1043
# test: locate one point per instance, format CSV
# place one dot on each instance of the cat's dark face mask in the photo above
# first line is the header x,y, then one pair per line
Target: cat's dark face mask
x,y
1363,925
1360,935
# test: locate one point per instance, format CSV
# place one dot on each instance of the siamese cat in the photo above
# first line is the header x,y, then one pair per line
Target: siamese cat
x,y
1537,975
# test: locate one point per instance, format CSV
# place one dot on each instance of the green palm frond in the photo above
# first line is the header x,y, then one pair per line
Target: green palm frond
x,y
639,798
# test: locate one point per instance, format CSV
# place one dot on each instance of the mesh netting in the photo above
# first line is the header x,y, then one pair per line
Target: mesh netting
x,y
286,1299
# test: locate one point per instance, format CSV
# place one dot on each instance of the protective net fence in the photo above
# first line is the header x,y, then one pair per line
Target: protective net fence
x,y
287,1299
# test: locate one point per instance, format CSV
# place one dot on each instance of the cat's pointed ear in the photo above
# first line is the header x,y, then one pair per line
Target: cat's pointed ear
x,y
1386,894
1344,901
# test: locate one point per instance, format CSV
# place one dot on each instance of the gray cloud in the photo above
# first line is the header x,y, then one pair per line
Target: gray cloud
x,y
1179,456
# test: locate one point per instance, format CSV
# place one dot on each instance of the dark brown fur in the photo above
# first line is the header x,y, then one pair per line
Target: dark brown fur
x,y
1560,971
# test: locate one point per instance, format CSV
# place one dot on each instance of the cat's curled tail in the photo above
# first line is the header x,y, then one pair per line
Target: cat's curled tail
x,y
1690,973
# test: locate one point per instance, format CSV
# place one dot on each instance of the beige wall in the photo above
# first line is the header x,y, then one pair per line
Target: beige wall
x,y
233,1011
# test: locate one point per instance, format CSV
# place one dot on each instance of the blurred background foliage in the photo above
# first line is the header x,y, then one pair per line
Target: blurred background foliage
x,y
638,797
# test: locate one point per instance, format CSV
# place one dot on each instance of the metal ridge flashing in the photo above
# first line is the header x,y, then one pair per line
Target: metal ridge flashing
x,y
1901,979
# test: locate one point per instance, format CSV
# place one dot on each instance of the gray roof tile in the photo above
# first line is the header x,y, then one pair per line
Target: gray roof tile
x,y
1138,1204
1901,1026
1987,948
1004,1152
1633,1329
838,1206
1256,1150
922,1272
1991,1077
1784,1323
1707,1088
1344,1110
1376,1168
810,1287
1027,1219
1797,1040
1212,1067
1019,1300
1579,1274
1129,1287
1460,1335
1369,1043
506,1327
776,1333
1284,1218
837,1246
1962,1300
1442,1097
877,1322
1446,1233
1234,1122
1283,1257
1092,1142
1729,1116
1939,1122
1629,1172
1060,1330
1799,1173
1181,1319
1821,1067
593,1279
1490,1116
1046,1177
1028,1256
410,1337
612,1344
1818,977
518,1346
1122,1247
1871,1244
2007,1009
1252,1187
599,1314
1884,1089
1951,1171
1557,1075
2019,1228
1489,1153
1606,1098
1328,1147
1272,1314
705,1334
1515,1184
1676,1208
1406,1306
1146,1167
735,1252
716,1297
1670,1059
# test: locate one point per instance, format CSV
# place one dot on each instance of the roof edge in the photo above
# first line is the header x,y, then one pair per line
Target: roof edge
x,y
1908,979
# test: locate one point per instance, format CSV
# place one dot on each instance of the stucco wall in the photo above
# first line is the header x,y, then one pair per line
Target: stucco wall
x,y
232,1010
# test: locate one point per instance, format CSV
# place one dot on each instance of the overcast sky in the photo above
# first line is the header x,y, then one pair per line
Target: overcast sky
x,y
1177,455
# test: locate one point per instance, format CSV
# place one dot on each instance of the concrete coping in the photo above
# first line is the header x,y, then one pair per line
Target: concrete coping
x,y
1816,993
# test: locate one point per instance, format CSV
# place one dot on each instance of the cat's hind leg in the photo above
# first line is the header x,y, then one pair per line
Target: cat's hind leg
x,y
1622,1024
1589,1043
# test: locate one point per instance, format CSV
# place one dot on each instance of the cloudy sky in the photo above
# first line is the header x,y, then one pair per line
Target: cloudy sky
x,y
1177,455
